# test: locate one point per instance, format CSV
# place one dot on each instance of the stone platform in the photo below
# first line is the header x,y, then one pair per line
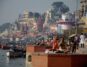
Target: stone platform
x,y
59,60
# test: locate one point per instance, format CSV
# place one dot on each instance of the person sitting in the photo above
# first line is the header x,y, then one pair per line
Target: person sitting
x,y
55,45
62,43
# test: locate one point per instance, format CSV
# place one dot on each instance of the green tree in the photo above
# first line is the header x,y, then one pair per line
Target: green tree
x,y
36,15
58,9
30,14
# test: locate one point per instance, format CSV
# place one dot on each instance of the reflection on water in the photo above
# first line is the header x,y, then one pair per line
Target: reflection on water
x,y
6,62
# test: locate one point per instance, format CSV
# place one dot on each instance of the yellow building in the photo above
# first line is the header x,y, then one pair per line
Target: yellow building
x,y
27,22
84,20
83,12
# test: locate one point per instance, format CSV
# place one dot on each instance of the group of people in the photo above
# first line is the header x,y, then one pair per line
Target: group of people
x,y
76,42
61,44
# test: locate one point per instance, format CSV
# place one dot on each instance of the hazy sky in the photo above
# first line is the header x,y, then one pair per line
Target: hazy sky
x,y
10,9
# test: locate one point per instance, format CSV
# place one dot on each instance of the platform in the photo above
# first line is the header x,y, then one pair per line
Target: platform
x,y
59,60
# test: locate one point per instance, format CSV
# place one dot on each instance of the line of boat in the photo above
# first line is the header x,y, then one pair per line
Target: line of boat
x,y
14,51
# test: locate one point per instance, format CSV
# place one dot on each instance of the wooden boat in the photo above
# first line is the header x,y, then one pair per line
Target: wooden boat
x,y
5,47
15,53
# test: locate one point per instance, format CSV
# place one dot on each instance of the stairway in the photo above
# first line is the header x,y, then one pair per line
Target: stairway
x,y
82,50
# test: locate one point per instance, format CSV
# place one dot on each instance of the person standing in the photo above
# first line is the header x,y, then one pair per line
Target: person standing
x,y
74,44
62,43
82,40
71,43
76,40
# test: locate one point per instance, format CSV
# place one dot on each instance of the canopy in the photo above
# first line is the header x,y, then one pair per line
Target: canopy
x,y
72,35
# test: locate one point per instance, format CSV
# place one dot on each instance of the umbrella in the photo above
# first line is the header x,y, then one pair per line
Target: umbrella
x,y
72,35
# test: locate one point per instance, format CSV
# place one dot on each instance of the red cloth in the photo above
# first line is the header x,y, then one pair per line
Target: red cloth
x,y
55,45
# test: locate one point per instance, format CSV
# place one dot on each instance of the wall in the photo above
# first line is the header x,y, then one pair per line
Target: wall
x,y
59,60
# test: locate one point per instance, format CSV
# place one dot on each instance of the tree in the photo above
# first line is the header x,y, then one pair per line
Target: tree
x,y
43,17
58,9
30,14
36,15
5,26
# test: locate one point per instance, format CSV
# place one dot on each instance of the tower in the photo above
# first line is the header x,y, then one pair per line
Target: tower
x,y
83,7
48,16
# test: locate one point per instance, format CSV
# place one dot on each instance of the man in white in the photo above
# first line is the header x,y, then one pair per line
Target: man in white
x,y
82,40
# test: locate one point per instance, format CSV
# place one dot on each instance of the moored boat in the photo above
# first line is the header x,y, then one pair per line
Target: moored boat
x,y
15,53
5,47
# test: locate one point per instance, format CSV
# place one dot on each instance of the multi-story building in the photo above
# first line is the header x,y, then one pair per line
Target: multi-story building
x,y
83,11
83,7
27,24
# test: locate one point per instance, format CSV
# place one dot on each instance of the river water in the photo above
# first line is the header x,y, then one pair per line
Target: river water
x,y
6,62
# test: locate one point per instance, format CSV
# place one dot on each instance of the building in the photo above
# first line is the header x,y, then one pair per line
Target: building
x,y
36,57
83,14
83,7
84,26
26,23
46,22
30,49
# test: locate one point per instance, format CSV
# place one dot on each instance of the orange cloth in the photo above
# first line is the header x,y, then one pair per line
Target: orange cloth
x,y
55,45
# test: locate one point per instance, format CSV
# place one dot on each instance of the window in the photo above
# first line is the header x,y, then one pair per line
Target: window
x,y
29,58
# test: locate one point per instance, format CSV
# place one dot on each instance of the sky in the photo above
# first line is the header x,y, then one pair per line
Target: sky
x,y
10,9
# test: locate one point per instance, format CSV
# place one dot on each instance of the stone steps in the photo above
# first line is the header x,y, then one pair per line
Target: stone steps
x,y
82,50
